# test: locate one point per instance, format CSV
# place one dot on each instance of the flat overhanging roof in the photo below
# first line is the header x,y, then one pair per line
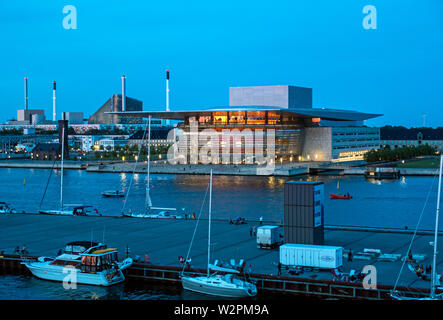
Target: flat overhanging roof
x,y
323,113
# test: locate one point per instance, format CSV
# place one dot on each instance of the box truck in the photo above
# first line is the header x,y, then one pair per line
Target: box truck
x,y
315,256
269,237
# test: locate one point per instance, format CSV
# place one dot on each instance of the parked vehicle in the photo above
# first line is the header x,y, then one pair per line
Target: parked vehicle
x,y
269,237
315,256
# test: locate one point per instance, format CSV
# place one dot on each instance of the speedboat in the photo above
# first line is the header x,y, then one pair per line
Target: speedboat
x,y
341,196
113,194
5,208
73,210
85,262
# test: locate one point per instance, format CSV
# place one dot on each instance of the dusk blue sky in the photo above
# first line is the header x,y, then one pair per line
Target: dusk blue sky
x,y
208,46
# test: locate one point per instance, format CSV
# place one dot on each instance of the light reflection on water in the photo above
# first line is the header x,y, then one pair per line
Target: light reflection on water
x,y
387,203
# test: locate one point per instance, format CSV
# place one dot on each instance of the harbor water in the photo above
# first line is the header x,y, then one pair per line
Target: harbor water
x,y
386,203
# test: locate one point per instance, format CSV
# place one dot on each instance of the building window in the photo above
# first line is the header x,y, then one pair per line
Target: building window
x,y
220,118
256,117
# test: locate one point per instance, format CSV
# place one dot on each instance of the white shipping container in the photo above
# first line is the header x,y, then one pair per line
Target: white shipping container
x,y
268,236
306,255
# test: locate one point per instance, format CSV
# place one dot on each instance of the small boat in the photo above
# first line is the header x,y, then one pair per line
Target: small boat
x,y
160,215
73,210
113,194
91,263
341,196
5,208
228,284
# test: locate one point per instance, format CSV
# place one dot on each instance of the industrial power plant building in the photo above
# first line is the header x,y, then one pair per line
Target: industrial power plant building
x,y
302,133
115,104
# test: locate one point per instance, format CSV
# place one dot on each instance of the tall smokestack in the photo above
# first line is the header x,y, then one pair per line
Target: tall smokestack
x,y
167,90
54,113
26,93
123,93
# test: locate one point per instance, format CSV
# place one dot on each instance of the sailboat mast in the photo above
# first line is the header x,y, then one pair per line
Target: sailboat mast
x,y
148,198
209,219
63,156
434,261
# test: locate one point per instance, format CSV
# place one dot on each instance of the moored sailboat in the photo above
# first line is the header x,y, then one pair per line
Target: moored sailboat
x,y
150,210
228,284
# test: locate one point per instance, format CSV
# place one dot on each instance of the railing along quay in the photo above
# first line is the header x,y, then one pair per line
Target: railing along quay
x,y
170,275
279,284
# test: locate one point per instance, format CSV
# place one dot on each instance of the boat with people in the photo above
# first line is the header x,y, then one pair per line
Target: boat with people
x,y
220,280
73,210
113,194
341,196
5,208
90,262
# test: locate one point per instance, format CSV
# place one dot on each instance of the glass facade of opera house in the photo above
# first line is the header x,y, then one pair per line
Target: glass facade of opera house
x,y
241,136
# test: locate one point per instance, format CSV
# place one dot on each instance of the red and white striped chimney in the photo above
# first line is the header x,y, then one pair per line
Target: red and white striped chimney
x,y
54,112
26,93
167,90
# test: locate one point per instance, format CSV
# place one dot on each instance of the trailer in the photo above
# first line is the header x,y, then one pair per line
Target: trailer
x,y
269,237
293,256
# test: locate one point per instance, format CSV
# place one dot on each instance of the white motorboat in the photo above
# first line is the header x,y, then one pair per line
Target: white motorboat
x,y
5,208
82,262
227,285
435,279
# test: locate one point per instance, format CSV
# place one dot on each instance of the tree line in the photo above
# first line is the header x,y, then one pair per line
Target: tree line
x,y
130,152
407,152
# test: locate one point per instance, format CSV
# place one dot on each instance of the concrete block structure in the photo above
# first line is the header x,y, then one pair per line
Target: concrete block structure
x,y
26,115
339,143
304,212
74,117
288,97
